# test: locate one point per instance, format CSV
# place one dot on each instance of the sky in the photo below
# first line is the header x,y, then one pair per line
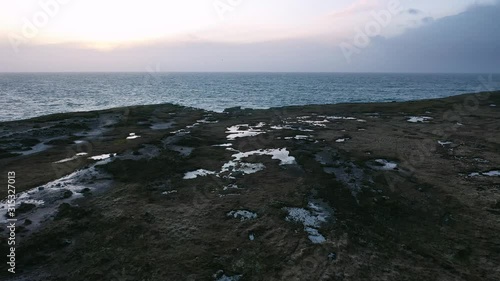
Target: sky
x,y
250,35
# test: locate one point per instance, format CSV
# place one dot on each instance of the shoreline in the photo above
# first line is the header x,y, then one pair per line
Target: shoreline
x,y
34,118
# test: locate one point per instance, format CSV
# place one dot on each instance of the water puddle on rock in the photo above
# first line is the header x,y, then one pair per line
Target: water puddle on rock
x,y
300,137
382,165
41,203
76,156
311,218
132,136
419,119
342,140
102,156
346,172
197,173
162,126
220,276
493,173
444,143
238,166
239,131
242,215
35,149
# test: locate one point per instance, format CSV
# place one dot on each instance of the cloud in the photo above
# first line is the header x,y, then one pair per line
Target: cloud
x,y
414,11
427,19
466,42
356,8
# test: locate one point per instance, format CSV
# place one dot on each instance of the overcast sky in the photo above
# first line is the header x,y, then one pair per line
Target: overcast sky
x,y
250,35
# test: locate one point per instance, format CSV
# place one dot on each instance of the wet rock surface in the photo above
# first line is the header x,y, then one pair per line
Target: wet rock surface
x,y
166,192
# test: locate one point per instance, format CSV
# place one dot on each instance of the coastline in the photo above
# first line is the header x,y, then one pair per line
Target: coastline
x,y
209,91
396,189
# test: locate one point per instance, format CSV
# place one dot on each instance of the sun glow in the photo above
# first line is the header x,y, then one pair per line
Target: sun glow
x,y
106,23
109,24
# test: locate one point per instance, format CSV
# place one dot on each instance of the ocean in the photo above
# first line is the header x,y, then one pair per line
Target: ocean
x,y
34,94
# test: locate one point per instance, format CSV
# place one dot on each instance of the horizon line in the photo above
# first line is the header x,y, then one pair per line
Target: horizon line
x,y
238,72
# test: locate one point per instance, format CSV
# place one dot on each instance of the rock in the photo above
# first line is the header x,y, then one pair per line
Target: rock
x,y
148,217
233,109
65,210
25,207
86,190
67,194
447,220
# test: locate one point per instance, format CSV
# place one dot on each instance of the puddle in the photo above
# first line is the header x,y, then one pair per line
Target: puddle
x,y
493,105
300,137
192,126
286,127
132,136
231,186
251,237
324,158
197,173
340,118
170,143
102,156
281,154
243,215
223,145
345,172
235,131
317,123
342,140
492,174
78,155
47,198
383,165
444,143
205,121
311,218
419,119
495,173
220,276
162,126
238,166
169,192
289,127
481,160
180,131
242,167
35,149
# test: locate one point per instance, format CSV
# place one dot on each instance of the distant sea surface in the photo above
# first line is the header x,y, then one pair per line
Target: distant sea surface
x,y
33,94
